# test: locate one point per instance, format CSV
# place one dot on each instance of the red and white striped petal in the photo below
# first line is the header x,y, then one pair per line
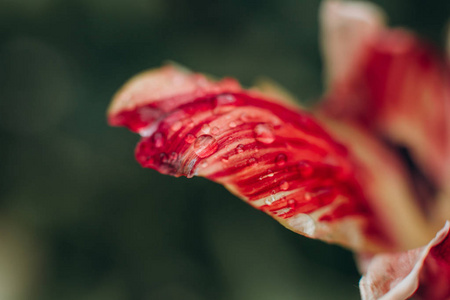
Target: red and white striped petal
x,y
347,29
149,88
385,182
423,273
278,159
394,84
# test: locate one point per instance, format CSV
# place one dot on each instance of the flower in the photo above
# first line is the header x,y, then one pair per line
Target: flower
x,y
334,173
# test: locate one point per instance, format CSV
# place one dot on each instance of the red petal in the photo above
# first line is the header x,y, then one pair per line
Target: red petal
x,y
422,272
277,159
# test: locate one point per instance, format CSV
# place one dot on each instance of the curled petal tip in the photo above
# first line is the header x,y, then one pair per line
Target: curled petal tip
x,y
170,83
422,272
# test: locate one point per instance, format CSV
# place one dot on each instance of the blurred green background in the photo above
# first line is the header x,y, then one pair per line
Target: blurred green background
x,y
80,219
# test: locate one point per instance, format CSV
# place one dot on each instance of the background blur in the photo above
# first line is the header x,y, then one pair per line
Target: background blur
x,y
80,219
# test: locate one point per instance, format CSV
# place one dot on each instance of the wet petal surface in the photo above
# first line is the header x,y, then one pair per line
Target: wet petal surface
x,y
279,160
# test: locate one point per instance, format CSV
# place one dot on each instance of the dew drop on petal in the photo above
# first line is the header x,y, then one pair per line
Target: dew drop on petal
x,y
305,168
206,129
215,130
282,211
232,124
245,117
224,104
264,133
239,148
226,99
176,126
280,160
292,203
190,138
224,159
284,185
271,199
252,161
189,123
158,139
205,145
190,172
303,223
308,196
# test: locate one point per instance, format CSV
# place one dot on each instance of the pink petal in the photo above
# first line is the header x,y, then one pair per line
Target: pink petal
x,y
278,159
422,272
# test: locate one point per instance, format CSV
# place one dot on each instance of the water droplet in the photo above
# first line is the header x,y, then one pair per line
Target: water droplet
x,y
270,173
190,138
224,104
232,124
308,196
204,164
206,129
189,123
225,159
284,185
271,199
264,133
292,203
252,161
190,172
239,148
158,139
282,211
303,223
176,126
305,168
215,130
226,99
281,159
205,145
245,117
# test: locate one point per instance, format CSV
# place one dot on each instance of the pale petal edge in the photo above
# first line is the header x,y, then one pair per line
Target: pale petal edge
x,y
397,276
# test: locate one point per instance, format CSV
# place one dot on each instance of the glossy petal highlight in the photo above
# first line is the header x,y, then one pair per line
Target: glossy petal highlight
x,y
423,272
